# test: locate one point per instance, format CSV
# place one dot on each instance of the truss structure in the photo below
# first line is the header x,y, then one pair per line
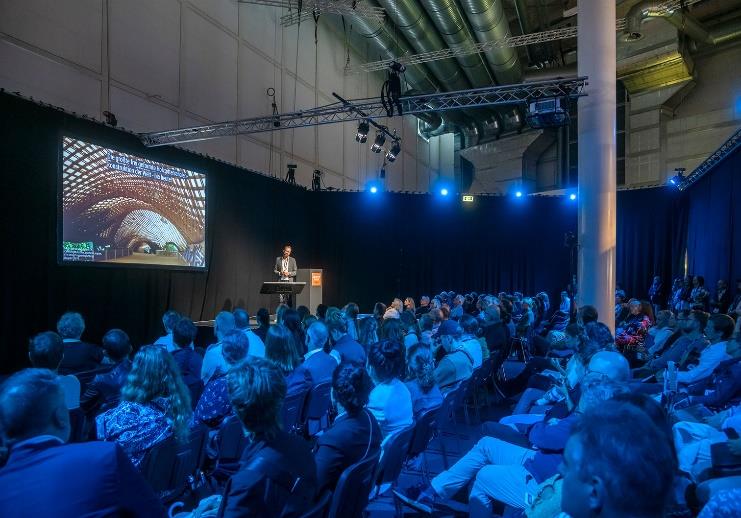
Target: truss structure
x,y
304,10
371,108
729,146
511,42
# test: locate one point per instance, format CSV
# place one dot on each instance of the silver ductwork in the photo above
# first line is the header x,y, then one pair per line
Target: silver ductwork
x,y
683,21
490,24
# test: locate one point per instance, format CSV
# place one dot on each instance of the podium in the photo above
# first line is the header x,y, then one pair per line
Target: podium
x,y
314,280
281,287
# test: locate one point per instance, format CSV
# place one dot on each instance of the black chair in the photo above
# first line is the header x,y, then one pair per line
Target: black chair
x,y
320,508
85,377
172,468
293,407
77,424
353,488
229,444
425,428
478,380
394,450
316,411
446,418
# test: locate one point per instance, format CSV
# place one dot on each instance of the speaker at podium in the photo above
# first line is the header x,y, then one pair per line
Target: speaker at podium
x,y
311,296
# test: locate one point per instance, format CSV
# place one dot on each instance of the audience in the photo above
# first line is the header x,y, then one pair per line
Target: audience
x,y
660,333
277,474
718,330
456,364
79,356
317,361
256,346
104,391
213,405
44,476
424,306
390,401
476,349
189,362
421,375
263,324
155,404
344,348
213,360
692,323
45,351
292,322
367,332
355,434
169,320
630,334
280,348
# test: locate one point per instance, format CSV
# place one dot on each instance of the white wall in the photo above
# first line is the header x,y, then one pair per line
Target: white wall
x,y
164,64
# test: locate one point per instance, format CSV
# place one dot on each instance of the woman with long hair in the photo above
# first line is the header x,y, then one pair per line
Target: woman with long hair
x,y
367,332
421,379
390,401
155,404
292,321
280,348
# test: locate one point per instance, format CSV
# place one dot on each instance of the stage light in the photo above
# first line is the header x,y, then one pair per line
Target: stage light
x,y
374,189
572,197
362,135
518,194
678,177
392,153
377,146
443,192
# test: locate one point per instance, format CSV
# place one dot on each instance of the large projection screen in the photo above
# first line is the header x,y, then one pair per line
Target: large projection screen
x,y
120,209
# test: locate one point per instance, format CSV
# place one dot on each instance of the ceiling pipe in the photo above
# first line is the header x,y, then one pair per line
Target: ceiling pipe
x,y
683,21
490,24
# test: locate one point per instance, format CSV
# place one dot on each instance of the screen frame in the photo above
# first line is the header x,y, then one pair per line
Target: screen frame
x,y
139,153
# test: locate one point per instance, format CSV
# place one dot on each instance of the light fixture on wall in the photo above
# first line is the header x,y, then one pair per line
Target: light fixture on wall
x,y
678,177
362,134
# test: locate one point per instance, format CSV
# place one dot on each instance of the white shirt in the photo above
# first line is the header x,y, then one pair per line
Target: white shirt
x,y
284,268
166,341
660,337
473,347
391,405
71,386
710,358
565,305
213,360
256,345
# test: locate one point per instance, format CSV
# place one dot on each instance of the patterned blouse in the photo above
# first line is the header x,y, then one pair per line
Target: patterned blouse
x,y
214,405
136,427
634,331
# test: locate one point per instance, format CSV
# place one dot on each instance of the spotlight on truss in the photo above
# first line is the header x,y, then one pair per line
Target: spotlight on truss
x,y
394,151
362,134
377,146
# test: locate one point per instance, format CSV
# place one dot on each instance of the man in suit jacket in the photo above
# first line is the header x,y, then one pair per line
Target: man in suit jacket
x,y
286,269
105,390
355,434
78,355
46,477
317,361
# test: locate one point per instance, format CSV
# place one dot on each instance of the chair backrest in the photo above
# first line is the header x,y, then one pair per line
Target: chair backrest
x,y
77,425
321,507
447,407
318,401
424,429
230,441
351,493
85,377
293,407
394,450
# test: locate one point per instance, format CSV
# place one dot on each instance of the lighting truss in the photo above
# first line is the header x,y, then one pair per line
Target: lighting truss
x,y
510,42
301,11
729,146
371,108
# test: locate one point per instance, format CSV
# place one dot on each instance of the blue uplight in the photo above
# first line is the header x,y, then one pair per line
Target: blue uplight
x,y
444,191
518,194
572,196
374,189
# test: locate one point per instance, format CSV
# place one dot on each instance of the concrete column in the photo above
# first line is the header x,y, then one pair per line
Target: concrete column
x,y
597,182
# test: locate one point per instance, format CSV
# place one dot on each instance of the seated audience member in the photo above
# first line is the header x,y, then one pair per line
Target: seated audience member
x,y
721,302
410,305
507,472
656,294
565,304
79,356
587,314
723,386
631,333
436,314
700,295
494,329
44,476
409,329
351,312
345,349
280,311
456,364
456,312
213,360
155,404
321,311
425,329
169,319
390,401
256,345
424,306
617,463
527,319
379,309
421,375
45,351
621,306
214,406
277,475
660,333
292,322
367,332
355,434
189,362
303,312
718,331
263,324
105,389
392,330
723,503
281,350
476,349
317,361
692,340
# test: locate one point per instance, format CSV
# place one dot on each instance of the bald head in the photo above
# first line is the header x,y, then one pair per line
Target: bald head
x,y
610,364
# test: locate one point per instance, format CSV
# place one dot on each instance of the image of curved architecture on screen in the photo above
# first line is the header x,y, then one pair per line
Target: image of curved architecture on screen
x,y
120,208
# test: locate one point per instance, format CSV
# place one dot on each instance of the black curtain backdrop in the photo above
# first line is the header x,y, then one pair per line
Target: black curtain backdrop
x,y
371,247
714,233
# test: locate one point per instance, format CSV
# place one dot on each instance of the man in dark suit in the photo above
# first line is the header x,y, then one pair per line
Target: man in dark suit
x,y
104,391
286,269
355,434
78,355
345,349
46,477
317,361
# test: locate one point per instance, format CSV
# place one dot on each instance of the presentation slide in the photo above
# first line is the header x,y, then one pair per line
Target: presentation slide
x,y
123,209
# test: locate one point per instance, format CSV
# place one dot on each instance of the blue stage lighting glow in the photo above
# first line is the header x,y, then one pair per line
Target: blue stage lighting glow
x,y
572,197
518,194
374,189
444,191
